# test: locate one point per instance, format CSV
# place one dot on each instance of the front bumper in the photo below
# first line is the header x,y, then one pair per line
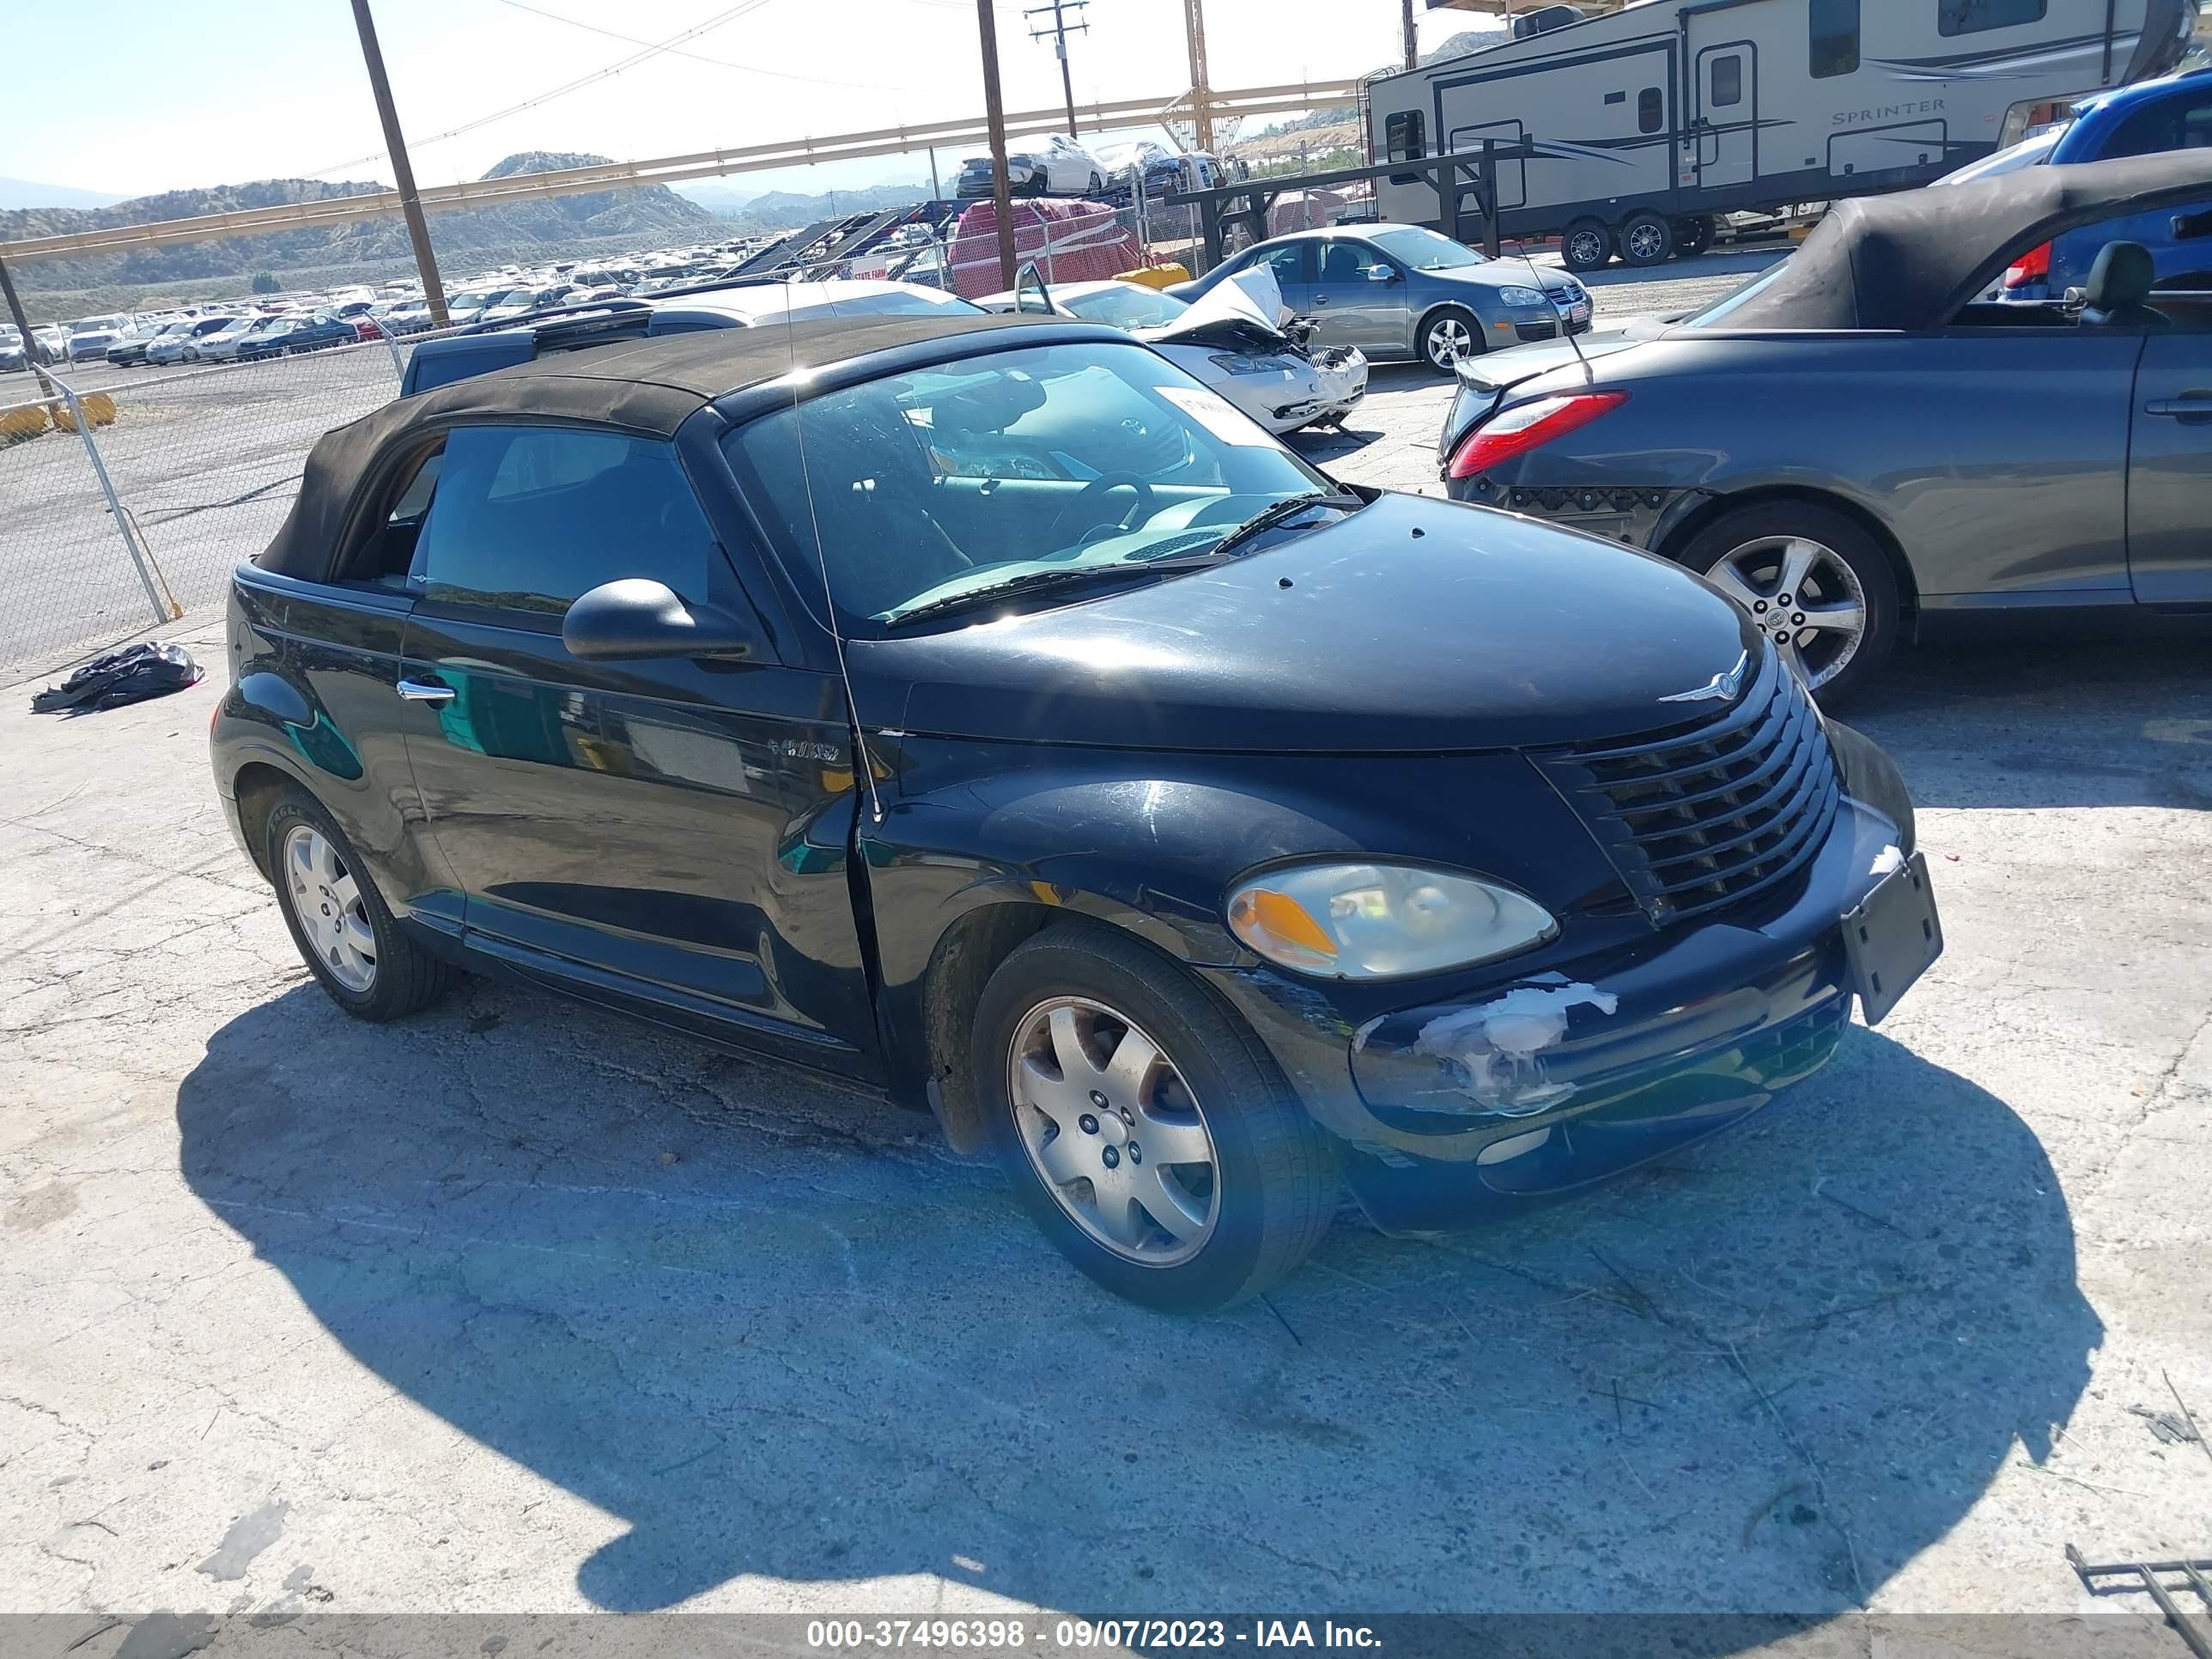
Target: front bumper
x,y
1445,1109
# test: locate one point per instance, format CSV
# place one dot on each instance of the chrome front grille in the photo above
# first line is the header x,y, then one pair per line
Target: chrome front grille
x,y
1709,814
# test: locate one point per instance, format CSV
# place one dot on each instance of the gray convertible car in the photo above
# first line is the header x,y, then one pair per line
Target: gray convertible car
x,y
1856,442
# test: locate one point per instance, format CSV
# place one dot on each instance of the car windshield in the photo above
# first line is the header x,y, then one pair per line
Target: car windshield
x,y
1126,305
884,302
1716,315
1081,461
1417,248
2029,152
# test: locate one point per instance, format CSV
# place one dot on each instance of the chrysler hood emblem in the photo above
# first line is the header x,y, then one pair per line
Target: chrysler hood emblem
x,y
1722,688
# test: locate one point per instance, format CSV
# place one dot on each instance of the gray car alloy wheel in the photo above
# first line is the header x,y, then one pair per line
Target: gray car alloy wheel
x,y
1803,597
327,902
1114,1131
1449,339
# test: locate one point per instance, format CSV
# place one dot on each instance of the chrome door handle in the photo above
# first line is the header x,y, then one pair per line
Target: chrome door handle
x,y
2197,406
424,691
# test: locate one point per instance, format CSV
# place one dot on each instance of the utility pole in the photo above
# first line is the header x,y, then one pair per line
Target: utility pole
x,y
1413,37
995,113
23,327
1201,106
1058,29
402,171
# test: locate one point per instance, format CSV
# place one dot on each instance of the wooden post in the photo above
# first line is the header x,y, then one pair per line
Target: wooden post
x,y
23,327
994,112
402,171
1412,38
1201,95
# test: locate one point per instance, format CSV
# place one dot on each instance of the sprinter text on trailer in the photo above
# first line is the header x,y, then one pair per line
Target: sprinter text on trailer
x,y
1647,122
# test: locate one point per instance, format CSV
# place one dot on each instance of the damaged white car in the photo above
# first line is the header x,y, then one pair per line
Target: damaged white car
x,y
1240,339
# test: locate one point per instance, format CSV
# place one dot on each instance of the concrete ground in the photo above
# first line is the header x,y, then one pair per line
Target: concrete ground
x,y
521,1308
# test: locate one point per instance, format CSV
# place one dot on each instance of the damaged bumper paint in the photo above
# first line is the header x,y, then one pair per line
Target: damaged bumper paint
x,y
1443,1109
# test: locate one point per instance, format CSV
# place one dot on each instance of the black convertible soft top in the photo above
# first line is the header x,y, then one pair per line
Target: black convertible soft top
x,y
1908,261
649,388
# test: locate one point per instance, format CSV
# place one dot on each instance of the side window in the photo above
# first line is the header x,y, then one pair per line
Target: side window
x,y
2171,124
386,558
528,518
1835,36
1402,137
1286,262
1728,80
1405,138
1974,16
1345,261
1650,114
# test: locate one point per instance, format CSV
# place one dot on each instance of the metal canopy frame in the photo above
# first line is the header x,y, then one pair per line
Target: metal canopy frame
x,y
1246,203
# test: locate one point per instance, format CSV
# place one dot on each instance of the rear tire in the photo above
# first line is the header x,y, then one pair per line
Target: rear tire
x,y
1646,239
1069,1104
1813,581
340,922
1587,245
1693,234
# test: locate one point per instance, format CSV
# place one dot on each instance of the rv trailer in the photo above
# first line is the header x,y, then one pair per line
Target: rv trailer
x,y
1645,123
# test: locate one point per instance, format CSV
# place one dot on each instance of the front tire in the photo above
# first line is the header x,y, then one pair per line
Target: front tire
x,y
345,933
1813,581
1449,335
1143,1128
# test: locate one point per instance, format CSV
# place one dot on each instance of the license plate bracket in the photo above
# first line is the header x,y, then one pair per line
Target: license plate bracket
x,y
1893,936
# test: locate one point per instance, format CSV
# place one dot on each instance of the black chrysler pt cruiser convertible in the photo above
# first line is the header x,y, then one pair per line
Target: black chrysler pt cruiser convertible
x,y
982,709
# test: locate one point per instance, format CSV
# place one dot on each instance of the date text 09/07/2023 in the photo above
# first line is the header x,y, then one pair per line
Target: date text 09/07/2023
x,y
1008,1634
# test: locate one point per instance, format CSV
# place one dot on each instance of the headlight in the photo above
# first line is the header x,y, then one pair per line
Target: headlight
x,y
1520,296
1230,362
1382,920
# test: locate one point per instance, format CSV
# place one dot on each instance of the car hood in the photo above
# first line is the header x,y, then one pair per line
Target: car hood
x,y
1415,625
1245,310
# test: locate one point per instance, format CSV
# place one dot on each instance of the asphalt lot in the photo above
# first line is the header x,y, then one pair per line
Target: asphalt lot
x,y
520,1309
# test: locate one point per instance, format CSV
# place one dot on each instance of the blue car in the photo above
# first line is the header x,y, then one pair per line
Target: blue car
x,y
2172,112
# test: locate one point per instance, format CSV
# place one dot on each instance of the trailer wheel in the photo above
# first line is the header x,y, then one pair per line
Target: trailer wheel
x,y
1587,245
1693,234
1646,239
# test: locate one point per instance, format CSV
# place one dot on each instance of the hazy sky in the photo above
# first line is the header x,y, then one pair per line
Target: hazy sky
x,y
202,92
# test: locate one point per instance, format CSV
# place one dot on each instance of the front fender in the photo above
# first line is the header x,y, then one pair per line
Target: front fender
x,y
1149,842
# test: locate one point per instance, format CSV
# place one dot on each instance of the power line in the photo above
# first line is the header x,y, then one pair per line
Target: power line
x,y
611,70
700,57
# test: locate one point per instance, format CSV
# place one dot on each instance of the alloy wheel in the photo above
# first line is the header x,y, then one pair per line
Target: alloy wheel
x,y
1587,248
1449,340
1646,239
326,900
1803,597
1114,1131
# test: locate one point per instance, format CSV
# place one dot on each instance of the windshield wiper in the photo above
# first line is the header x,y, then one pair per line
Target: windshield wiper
x,y
1278,512
1041,580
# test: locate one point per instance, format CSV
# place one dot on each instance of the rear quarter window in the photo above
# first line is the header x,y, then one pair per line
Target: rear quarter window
x,y
527,519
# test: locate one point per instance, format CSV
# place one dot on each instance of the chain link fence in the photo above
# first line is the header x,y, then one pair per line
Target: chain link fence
x,y
201,465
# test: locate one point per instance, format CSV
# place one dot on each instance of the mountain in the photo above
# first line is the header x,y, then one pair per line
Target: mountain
x,y
713,195
778,209
514,230
24,193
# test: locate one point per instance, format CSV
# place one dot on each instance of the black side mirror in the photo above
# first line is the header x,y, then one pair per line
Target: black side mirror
x,y
636,617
